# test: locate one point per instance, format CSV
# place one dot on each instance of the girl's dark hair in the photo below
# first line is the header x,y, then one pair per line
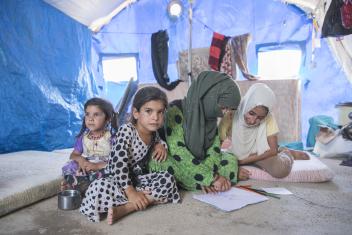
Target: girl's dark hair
x,y
107,109
145,95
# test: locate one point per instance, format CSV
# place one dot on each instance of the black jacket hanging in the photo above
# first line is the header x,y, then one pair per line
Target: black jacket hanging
x,y
160,53
332,25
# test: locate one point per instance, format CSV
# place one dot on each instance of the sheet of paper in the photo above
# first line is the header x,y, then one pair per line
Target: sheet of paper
x,y
231,200
280,191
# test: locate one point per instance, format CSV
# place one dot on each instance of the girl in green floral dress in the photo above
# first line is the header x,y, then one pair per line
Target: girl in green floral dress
x,y
191,133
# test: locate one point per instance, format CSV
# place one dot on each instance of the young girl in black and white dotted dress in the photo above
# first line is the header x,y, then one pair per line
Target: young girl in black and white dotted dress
x,y
129,187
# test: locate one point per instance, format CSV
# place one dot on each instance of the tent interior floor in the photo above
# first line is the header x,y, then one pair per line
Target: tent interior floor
x,y
314,208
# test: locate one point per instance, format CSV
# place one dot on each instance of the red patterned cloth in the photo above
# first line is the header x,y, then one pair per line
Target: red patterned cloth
x,y
217,45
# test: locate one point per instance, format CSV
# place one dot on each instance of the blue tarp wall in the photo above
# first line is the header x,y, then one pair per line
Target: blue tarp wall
x,y
45,76
50,65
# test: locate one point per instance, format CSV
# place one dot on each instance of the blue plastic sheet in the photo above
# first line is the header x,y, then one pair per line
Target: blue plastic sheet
x,y
269,22
50,64
45,76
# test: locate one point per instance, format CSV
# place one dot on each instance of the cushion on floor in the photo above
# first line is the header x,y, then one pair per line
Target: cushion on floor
x,y
312,170
29,176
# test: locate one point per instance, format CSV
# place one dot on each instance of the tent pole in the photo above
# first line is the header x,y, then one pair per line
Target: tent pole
x,y
189,68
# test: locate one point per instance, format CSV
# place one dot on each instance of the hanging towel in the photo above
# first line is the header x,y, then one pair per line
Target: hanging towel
x,y
226,62
333,26
239,55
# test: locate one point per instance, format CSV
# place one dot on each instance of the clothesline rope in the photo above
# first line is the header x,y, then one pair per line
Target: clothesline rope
x,y
285,21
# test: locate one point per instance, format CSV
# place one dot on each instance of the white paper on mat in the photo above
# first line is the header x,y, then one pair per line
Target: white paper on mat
x,y
280,191
231,200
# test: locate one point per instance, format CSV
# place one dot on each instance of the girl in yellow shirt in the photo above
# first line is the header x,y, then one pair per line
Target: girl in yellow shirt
x,y
254,134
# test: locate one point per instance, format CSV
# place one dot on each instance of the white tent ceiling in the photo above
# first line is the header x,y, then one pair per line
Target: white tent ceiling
x,y
92,13
85,11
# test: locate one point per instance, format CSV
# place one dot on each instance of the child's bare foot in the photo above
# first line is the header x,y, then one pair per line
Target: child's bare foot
x,y
299,155
116,213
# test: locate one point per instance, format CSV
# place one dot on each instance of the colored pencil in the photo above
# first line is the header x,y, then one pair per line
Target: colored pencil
x,y
259,191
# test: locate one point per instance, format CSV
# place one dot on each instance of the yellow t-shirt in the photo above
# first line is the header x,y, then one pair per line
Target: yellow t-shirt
x,y
271,126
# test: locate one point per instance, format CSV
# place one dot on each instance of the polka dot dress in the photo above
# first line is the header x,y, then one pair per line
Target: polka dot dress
x,y
127,152
192,173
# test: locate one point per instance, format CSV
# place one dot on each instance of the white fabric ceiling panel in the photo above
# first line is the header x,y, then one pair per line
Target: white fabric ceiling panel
x,y
85,11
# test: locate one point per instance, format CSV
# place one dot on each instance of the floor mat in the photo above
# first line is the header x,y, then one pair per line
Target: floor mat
x,y
29,176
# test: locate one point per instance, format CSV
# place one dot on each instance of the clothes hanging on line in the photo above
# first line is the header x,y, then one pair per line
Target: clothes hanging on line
x,y
227,52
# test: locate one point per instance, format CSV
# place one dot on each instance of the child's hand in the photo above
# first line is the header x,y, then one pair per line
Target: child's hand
x,y
209,189
90,166
221,184
81,163
159,153
138,199
226,144
243,174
